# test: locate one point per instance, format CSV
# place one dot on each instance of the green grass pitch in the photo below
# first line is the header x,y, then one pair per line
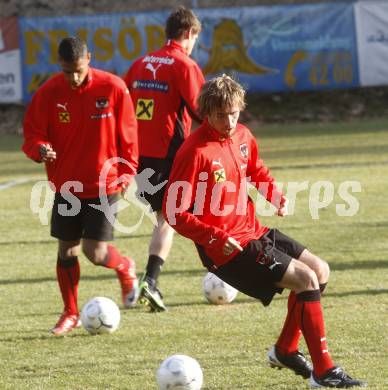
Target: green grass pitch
x,y
230,342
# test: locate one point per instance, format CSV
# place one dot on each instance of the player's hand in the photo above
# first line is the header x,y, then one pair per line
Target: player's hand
x,y
283,208
47,153
230,245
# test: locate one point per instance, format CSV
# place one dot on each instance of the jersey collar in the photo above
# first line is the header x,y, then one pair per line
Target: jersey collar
x,y
214,134
175,45
89,80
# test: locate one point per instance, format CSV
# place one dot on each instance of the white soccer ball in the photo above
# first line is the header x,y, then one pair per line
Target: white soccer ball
x,y
217,291
100,315
179,372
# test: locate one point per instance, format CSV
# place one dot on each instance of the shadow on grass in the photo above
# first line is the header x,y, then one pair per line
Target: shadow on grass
x,y
370,264
107,276
47,336
380,291
363,264
53,240
329,165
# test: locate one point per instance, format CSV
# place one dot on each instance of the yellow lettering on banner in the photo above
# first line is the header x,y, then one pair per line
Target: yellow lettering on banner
x,y
83,34
155,37
33,41
290,79
54,37
104,46
343,67
36,81
134,34
319,71
324,68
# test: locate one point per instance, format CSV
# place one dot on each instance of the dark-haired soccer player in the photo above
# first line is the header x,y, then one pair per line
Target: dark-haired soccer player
x,y
207,201
76,121
164,86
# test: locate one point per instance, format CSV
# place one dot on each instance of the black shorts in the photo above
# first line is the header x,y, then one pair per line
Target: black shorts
x,y
162,169
88,223
262,264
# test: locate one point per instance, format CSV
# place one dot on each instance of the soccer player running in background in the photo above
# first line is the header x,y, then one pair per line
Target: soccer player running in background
x,y
76,121
207,201
164,87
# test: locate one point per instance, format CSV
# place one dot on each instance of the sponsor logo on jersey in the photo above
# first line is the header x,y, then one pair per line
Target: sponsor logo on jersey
x,y
102,102
153,69
101,116
62,106
159,60
154,85
219,175
64,117
145,109
217,162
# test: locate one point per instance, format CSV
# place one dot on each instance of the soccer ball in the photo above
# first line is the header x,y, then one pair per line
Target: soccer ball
x,y
179,372
217,291
100,315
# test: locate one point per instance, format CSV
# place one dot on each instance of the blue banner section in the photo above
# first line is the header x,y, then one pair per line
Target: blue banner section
x,y
267,48
280,48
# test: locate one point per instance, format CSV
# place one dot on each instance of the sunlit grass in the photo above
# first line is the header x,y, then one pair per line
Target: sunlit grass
x,y
230,342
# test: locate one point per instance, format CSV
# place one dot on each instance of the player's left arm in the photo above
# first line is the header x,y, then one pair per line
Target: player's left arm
x,y
190,85
262,179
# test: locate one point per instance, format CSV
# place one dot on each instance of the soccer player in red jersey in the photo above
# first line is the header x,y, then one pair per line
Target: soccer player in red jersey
x,y
207,201
76,121
164,86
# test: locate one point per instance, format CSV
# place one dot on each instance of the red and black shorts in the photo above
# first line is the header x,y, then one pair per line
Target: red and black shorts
x,y
256,270
150,192
85,221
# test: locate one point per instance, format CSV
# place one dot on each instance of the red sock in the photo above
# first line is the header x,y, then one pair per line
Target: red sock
x,y
115,260
68,275
310,317
289,337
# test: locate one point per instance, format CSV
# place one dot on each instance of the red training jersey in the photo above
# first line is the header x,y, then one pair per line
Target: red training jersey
x,y
85,127
207,197
164,86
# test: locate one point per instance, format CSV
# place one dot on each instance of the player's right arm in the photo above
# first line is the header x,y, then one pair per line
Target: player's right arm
x,y
36,144
178,204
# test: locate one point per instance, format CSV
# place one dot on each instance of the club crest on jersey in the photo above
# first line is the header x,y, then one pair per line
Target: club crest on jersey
x,y
244,150
145,109
219,175
102,102
64,117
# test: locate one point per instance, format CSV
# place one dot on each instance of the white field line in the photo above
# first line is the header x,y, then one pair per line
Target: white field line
x,y
12,183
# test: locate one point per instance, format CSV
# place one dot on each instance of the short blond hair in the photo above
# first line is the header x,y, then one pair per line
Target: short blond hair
x,y
220,93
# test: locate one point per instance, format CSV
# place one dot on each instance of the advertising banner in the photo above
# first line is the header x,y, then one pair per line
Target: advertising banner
x,y
282,48
269,48
372,40
115,41
10,72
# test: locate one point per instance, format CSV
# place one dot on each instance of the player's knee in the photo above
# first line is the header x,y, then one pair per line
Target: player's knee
x,y
319,266
322,270
307,279
68,253
95,256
